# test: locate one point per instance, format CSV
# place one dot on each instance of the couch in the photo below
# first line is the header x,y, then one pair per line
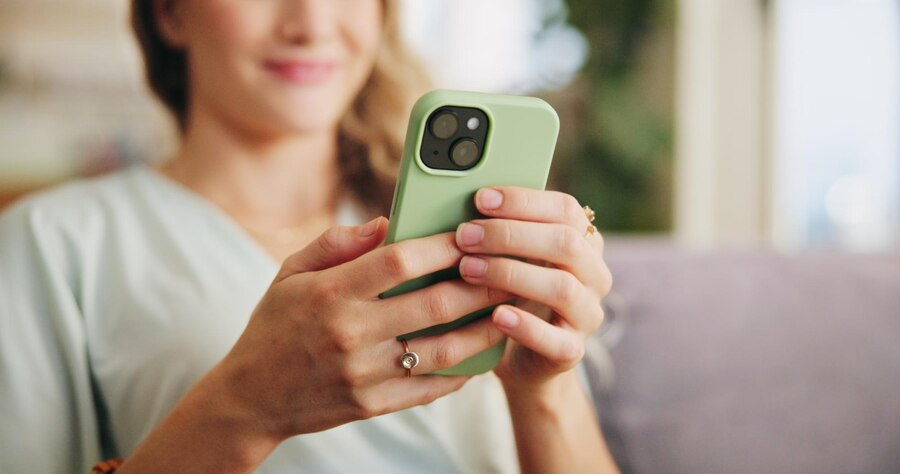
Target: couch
x,y
749,361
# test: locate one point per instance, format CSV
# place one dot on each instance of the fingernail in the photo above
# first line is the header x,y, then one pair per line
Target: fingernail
x,y
370,227
469,234
505,318
472,266
490,198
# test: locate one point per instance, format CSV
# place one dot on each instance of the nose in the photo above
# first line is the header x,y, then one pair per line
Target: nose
x,y
306,21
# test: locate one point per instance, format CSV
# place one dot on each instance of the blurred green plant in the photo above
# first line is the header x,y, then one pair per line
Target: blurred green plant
x,y
620,158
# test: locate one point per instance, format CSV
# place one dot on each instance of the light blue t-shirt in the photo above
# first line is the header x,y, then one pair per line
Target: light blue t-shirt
x,y
118,293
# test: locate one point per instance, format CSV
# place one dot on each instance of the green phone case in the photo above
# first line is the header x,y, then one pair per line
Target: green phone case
x,y
518,150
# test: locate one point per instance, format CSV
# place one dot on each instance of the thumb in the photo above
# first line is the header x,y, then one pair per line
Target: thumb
x,y
335,246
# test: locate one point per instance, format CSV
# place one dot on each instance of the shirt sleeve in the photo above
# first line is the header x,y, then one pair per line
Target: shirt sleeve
x,y
47,408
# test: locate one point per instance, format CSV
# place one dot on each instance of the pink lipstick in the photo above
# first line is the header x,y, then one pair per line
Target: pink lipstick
x,y
300,71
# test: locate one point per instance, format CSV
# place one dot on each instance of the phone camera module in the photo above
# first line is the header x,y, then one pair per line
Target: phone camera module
x,y
454,138
464,153
444,125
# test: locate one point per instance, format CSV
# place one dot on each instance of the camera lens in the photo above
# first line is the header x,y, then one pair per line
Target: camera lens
x,y
444,125
464,153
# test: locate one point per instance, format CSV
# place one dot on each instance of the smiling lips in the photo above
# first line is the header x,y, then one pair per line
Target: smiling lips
x,y
301,72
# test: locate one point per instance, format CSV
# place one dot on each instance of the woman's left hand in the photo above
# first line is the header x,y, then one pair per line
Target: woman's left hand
x,y
560,285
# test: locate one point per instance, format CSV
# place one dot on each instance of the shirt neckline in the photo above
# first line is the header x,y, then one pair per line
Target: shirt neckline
x,y
348,212
201,204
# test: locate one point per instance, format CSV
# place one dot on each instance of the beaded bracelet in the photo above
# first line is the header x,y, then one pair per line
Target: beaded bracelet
x,y
107,467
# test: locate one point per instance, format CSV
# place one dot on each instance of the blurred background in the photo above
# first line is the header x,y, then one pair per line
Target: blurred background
x,y
743,157
738,123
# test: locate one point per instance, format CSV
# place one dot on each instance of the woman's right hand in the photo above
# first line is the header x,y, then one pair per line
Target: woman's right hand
x,y
320,349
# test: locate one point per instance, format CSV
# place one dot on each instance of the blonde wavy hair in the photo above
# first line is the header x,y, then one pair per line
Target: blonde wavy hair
x,y
371,133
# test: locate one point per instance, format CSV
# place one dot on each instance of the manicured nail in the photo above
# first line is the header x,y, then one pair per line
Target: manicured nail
x,y
505,318
490,198
370,227
472,266
469,234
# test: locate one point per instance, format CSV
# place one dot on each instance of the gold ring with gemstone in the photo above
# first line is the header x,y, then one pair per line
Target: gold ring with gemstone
x,y
589,213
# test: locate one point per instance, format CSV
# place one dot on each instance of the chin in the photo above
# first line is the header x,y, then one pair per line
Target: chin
x,y
304,125
307,111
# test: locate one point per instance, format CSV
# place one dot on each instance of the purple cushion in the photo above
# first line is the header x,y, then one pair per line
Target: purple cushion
x,y
753,362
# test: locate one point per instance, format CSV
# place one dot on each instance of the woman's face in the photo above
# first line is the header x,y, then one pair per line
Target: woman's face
x,y
276,66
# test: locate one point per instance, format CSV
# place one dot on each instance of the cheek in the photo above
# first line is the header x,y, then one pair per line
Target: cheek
x,y
363,30
221,29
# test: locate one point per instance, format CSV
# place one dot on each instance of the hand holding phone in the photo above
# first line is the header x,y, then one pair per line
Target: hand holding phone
x,y
456,144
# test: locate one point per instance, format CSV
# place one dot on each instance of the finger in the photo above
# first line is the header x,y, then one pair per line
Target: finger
x,y
556,288
402,393
384,268
435,352
513,202
558,244
561,346
335,246
440,303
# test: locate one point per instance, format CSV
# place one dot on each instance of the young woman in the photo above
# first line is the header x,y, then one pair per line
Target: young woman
x,y
139,316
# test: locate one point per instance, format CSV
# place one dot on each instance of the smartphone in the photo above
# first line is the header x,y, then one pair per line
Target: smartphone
x,y
458,142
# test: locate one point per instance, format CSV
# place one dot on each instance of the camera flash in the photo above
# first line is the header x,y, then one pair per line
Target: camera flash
x,y
473,123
